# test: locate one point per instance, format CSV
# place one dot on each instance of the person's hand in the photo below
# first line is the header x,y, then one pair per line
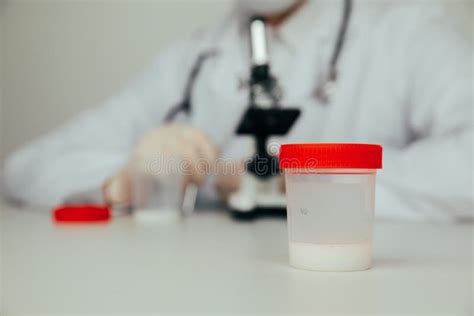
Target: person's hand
x,y
173,141
229,178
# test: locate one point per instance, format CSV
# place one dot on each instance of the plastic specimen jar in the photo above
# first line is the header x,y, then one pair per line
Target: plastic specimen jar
x,y
156,188
330,191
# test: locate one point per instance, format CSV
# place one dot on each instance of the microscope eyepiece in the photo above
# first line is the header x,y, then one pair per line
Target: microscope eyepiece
x,y
258,41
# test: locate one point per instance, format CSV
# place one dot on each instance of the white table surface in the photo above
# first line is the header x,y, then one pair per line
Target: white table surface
x,y
210,264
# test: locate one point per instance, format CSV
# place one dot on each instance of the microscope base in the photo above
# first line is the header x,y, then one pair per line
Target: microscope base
x,y
258,212
258,197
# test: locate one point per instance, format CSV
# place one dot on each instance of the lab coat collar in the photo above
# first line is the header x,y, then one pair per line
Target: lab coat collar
x,y
318,18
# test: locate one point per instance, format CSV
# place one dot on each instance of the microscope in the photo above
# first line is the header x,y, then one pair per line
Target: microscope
x,y
260,190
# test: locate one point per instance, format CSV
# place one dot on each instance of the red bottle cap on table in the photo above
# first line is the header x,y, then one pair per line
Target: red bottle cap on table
x,y
331,156
82,213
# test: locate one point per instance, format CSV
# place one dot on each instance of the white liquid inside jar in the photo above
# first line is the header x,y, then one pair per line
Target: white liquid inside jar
x,y
153,215
331,257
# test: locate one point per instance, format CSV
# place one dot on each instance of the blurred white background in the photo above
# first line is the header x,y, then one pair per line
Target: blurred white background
x,y
62,56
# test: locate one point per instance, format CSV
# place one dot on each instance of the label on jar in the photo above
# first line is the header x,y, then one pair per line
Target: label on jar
x,y
329,212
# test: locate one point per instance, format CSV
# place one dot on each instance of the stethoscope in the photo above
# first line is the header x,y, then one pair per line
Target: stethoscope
x,y
325,89
323,92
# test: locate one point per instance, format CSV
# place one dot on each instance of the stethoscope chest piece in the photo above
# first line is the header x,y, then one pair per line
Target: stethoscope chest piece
x,y
325,90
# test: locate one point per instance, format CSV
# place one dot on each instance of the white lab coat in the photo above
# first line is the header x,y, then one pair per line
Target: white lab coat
x,y
405,82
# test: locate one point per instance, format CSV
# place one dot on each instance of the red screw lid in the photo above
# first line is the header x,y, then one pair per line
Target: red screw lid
x,y
330,156
82,213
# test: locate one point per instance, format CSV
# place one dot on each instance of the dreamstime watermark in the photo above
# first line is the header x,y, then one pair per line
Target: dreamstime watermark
x,y
162,164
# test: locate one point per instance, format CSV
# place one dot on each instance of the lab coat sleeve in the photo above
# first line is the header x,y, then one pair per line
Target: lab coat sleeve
x,y
75,160
431,178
